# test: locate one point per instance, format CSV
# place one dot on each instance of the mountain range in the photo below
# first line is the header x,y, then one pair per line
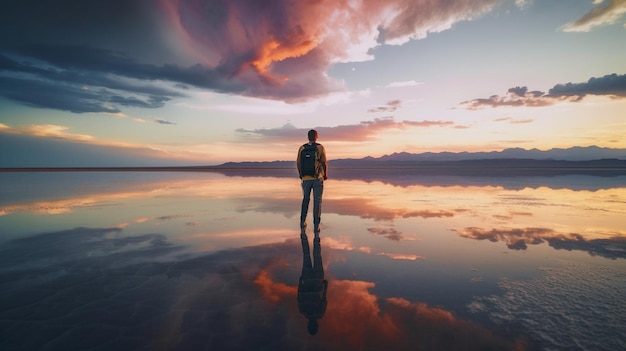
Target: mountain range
x,y
532,156
572,154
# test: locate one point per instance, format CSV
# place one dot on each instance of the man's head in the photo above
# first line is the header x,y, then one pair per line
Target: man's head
x,y
312,326
312,135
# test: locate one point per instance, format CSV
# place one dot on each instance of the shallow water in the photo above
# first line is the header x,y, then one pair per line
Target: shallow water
x,y
166,260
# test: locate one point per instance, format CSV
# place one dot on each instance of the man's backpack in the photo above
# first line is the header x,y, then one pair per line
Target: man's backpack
x,y
307,160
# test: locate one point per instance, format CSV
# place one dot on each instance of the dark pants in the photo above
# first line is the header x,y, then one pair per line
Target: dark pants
x,y
315,269
317,186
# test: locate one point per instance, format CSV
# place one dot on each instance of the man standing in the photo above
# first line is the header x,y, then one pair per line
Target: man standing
x,y
313,170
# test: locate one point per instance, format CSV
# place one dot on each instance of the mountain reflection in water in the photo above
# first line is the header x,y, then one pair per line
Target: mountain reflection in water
x,y
167,261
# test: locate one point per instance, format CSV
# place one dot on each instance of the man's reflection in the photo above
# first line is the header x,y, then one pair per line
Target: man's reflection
x,y
312,285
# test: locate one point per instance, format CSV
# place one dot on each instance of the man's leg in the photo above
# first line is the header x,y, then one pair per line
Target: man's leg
x,y
318,189
318,267
306,199
307,266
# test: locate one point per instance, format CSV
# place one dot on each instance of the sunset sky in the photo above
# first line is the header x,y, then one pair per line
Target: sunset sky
x,y
192,82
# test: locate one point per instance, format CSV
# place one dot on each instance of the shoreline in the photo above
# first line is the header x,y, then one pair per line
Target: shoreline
x,y
398,170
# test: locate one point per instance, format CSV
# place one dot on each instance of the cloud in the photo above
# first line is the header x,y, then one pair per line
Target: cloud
x,y
85,79
390,106
282,49
274,50
227,282
359,318
353,206
514,121
389,233
522,4
408,257
408,83
516,239
364,208
605,13
612,85
47,94
49,131
613,247
355,132
163,121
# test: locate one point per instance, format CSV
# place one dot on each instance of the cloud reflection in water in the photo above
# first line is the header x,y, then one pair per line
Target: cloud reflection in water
x,y
180,259
143,292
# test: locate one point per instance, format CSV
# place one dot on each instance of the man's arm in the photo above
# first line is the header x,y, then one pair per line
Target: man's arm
x,y
324,161
298,162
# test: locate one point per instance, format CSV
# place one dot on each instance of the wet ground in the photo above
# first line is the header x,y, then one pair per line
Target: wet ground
x,y
203,261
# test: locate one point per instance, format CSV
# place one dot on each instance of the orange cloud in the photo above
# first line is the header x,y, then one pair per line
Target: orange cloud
x,y
271,290
356,319
365,208
401,256
273,51
50,131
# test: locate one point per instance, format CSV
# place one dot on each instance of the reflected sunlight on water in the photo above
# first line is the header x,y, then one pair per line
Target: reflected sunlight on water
x,y
515,264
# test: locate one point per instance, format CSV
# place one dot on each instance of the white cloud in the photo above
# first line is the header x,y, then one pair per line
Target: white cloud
x,y
603,14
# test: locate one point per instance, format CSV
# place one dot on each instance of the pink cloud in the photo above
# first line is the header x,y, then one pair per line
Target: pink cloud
x,y
351,132
514,121
611,85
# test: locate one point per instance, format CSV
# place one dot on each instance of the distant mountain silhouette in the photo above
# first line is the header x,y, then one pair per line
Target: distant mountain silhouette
x,y
513,156
591,160
572,154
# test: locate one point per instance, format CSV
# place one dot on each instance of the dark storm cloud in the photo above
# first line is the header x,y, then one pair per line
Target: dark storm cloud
x,y
131,101
81,79
83,66
277,49
47,94
86,64
612,85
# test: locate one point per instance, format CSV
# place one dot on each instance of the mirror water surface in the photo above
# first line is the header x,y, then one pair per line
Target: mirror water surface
x,y
211,261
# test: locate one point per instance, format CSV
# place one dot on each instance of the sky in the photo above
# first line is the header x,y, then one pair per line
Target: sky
x,y
202,82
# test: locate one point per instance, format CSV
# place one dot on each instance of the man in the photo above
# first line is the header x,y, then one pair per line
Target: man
x,y
313,170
